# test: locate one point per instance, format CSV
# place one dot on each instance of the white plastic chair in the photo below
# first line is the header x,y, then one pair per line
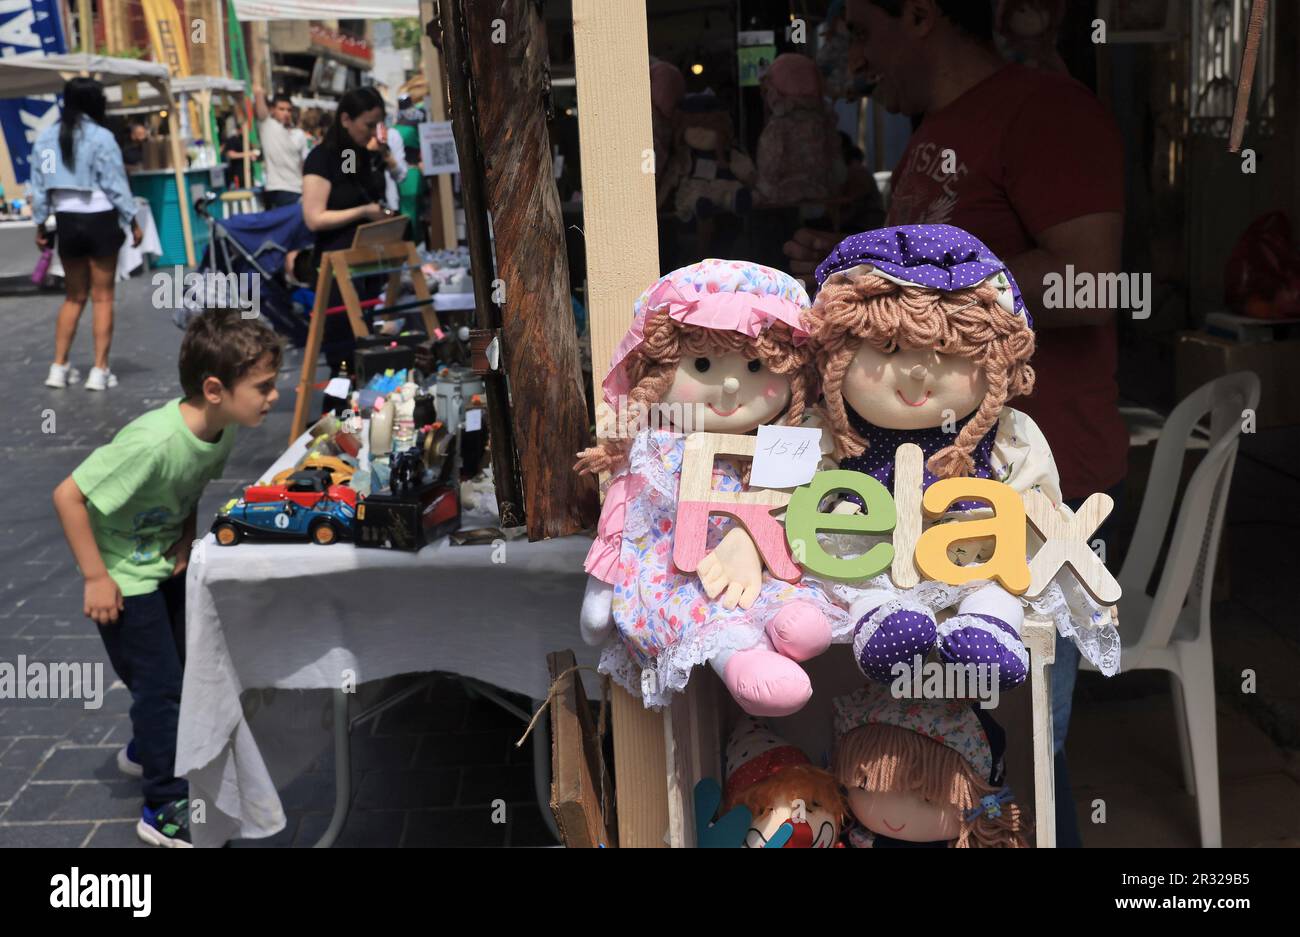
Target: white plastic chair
x,y
1171,630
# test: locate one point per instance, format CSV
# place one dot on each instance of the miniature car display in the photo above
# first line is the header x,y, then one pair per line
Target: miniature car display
x,y
306,506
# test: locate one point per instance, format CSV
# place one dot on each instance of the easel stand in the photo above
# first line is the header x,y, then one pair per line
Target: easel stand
x,y
339,267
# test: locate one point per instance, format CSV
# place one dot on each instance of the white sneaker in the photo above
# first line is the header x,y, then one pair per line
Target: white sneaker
x,y
100,379
61,375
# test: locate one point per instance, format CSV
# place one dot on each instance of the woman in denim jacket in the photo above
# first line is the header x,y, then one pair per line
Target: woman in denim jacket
x,y
77,176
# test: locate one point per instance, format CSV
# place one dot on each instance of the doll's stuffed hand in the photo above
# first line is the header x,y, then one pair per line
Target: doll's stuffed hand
x,y
597,616
734,568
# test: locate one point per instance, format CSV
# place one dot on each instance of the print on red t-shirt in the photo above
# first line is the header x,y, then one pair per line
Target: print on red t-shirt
x,y
1020,152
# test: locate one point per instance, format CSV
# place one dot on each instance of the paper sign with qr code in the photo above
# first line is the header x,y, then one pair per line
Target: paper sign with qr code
x,y
785,456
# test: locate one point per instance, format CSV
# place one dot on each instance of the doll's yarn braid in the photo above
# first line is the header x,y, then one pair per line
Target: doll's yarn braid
x,y
854,307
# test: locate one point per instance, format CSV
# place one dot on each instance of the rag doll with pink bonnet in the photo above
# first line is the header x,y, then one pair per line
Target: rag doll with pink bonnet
x,y
717,346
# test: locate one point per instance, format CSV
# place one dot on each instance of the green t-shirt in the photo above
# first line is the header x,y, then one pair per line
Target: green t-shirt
x,y
141,487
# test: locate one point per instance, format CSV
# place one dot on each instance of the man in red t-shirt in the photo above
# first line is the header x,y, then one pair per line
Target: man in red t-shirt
x,y
1031,164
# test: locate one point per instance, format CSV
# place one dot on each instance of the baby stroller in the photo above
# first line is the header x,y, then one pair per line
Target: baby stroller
x,y
255,244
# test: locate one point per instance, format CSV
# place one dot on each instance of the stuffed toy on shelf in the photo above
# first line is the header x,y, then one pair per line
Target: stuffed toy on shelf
x,y
707,174
922,337
923,773
779,785
724,342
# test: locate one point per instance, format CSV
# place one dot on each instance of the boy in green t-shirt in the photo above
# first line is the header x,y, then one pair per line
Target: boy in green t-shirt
x,y
129,513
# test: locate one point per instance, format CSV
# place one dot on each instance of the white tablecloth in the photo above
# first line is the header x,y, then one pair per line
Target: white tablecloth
x,y
296,617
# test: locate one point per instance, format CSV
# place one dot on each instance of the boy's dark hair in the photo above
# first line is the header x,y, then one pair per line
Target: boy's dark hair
x,y
972,17
281,96
221,343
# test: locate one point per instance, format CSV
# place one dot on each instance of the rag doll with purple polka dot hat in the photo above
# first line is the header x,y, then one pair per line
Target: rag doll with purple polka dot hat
x,y
922,337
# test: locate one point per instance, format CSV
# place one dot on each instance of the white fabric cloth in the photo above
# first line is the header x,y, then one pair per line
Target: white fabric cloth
x,y
295,617
249,10
78,202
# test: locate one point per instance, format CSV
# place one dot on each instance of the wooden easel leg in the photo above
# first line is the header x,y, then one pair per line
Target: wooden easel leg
x,y
428,313
343,277
310,352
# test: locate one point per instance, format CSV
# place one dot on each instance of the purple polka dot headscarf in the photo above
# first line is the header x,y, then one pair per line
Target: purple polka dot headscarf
x,y
937,256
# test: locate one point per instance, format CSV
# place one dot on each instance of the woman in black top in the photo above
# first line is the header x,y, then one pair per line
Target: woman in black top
x,y
343,183
342,188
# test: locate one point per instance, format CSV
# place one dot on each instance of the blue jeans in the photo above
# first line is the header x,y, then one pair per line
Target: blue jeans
x,y
147,648
1064,671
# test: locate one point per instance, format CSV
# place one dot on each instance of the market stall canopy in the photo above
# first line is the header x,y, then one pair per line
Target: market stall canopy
x,y
34,73
151,100
247,10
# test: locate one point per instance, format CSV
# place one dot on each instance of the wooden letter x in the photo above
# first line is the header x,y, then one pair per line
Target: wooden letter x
x,y
696,500
1065,542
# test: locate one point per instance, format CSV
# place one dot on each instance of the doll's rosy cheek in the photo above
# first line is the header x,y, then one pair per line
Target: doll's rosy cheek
x,y
774,389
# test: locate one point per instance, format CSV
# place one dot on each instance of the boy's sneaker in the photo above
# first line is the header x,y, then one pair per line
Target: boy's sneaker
x,y
100,379
127,762
168,825
61,375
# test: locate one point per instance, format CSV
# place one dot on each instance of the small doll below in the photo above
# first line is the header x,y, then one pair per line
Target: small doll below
x,y
717,346
922,338
777,783
923,773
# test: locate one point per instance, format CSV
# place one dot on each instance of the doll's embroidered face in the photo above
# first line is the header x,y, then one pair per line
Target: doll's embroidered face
x,y
814,826
728,393
912,387
906,816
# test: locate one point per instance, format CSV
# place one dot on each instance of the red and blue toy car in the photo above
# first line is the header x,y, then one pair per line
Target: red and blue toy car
x,y
305,507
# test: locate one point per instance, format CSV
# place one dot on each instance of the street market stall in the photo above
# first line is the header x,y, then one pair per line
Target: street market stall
x,y
34,74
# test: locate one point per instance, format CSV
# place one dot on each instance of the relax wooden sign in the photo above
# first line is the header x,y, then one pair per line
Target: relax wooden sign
x,y
913,554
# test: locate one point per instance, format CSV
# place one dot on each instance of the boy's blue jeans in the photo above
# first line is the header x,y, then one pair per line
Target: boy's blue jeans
x,y
147,648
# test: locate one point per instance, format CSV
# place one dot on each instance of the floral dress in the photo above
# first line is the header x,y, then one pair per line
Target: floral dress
x,y
666,622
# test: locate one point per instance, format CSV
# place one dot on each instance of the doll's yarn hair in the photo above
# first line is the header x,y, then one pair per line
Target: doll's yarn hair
x,y
653,364
885,758
855,307
816,787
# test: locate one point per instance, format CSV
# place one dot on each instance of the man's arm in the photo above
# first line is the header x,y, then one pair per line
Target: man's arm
x,y
1090,244
259,103
103,599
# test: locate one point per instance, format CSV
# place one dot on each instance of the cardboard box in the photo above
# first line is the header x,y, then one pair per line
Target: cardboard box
x,y
1201,358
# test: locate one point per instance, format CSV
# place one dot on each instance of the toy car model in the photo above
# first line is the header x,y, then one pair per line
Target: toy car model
x,y
341,471
305,507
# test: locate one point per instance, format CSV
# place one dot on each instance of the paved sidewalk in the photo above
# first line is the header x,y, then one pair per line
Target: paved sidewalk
x,y
424,772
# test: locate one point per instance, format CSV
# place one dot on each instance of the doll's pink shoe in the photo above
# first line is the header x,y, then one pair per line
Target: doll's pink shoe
x,y
799,631
766,684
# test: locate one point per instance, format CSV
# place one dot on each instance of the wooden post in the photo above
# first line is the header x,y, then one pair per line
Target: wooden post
x,y
178,168
505,465
1040,642
613,84
538,335
443,205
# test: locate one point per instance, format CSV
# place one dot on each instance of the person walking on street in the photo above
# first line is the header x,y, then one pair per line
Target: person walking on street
x,y
79,178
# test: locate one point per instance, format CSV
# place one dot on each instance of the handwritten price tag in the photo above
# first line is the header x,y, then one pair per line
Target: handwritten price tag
x,y
785,456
